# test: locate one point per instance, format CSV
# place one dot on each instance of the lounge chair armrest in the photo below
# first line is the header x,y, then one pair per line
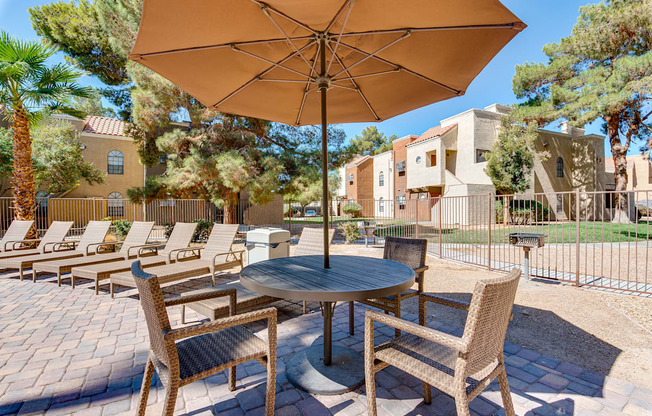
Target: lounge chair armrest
x,y
183,299
268,313
182,250
56,245
142,247
234,252
16,242
100,245
447,340
426,297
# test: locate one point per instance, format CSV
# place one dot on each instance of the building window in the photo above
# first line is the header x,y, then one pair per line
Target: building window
x,y
560,204
433,158
479,155
116,163
381,179
381,205
351,179
116,205
418,159
560,167
400,199
400,168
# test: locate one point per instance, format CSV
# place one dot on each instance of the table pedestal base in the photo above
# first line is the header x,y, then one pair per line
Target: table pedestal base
x,y
306,370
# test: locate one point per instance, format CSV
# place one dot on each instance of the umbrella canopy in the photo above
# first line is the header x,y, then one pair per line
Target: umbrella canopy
x,y
277,60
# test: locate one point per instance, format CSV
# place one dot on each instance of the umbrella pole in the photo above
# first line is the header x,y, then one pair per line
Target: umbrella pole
x,y
323,87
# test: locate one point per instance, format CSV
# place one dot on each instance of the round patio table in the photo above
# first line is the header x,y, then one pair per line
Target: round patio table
x,y
334,370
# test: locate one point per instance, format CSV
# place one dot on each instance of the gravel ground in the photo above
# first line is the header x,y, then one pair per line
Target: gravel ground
x,y
605,332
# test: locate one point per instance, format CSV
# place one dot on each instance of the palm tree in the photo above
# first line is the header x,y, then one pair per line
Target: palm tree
x,y
28,87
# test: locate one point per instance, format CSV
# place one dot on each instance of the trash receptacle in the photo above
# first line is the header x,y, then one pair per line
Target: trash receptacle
x,y
267,243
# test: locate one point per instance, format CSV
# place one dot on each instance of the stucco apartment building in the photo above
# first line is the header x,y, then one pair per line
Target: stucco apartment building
x,y
447,160
108,147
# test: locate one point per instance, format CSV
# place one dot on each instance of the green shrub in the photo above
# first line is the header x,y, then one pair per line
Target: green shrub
x,y
122,228
350,231
203,230
524,211
352,209
168,229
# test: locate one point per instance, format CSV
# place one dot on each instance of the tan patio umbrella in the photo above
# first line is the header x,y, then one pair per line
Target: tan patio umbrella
x,y
279,60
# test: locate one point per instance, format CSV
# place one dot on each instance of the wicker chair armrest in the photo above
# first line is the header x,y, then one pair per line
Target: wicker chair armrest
x,y
17,242
421,269
182,250
183,299
140,248
268,313
426,297
447,340
227,255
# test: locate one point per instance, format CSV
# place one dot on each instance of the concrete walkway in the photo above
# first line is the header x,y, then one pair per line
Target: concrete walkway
x,y
65,351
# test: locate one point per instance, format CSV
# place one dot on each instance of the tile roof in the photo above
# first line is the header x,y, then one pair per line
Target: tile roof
x,y
433,132
356,160
104,125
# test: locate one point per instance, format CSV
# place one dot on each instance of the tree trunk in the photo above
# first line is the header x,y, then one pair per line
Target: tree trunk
x,y
23,174
230,208
619,152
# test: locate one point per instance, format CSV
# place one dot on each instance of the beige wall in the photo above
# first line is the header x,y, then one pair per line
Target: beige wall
x,y
476,129
97,149
423,175
384,162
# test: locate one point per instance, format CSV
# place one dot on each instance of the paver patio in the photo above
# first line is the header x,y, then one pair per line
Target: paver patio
x,y
65,351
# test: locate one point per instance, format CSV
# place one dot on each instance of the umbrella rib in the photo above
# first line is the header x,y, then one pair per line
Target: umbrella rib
x,y
218,46
345,87
257,77
516,26
337,15
339,38
285,80
305,91
373,54
351,77
269,61
409,71
352,80
291,19
267,13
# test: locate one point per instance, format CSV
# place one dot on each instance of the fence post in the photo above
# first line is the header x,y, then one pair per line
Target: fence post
x,y
290,217
577,237
441,221
416,226
489,232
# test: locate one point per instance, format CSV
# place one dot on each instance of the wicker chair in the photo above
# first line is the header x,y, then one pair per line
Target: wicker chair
x,y
412,253
311,242
459,366
186,354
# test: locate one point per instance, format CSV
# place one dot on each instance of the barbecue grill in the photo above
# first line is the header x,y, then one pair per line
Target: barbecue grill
x,y
527,241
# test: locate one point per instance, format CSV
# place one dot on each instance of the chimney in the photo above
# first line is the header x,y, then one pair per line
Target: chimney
x,y
572,131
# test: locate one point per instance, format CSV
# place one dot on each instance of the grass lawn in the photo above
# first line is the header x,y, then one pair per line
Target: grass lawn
x,y
562,233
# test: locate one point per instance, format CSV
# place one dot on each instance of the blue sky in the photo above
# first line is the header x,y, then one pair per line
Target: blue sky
x,y
547,20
